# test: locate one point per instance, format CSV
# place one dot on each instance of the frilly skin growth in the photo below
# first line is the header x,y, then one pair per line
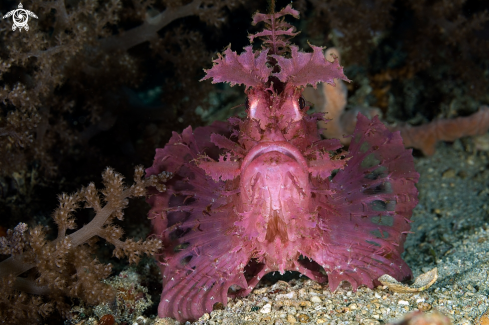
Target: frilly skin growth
x,y
266,193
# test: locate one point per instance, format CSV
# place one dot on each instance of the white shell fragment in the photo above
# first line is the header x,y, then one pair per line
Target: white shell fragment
x,y
422,282
266,309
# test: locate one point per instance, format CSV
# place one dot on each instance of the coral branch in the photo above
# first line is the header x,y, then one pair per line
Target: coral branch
x,y
65,265
332,100
148,30
425,137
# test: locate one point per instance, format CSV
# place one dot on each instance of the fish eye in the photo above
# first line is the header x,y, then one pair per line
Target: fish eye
x,y
302,103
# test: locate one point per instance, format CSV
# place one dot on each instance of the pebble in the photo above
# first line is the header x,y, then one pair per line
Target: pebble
x,y
315,299
166,321
206,316
290,295
291,319
266,309
370,322
424,306
303,318
484,320
305,303
449,173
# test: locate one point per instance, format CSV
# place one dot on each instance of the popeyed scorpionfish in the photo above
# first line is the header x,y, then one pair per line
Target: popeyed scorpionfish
x,y
265,193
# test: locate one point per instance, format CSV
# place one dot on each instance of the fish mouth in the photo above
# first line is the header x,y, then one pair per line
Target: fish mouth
x,y
282,147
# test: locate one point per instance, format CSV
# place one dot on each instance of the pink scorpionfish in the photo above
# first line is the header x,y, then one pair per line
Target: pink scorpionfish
x,y
265,193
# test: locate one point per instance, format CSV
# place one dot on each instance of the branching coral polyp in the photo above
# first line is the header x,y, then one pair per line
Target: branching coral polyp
x,y
251,196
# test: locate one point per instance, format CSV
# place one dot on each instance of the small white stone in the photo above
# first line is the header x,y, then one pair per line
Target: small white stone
x,y
205,317
403,302
266,309
140,321
315,299
290,295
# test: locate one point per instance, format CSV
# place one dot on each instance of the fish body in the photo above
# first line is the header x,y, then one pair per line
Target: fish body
x,y
266,193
